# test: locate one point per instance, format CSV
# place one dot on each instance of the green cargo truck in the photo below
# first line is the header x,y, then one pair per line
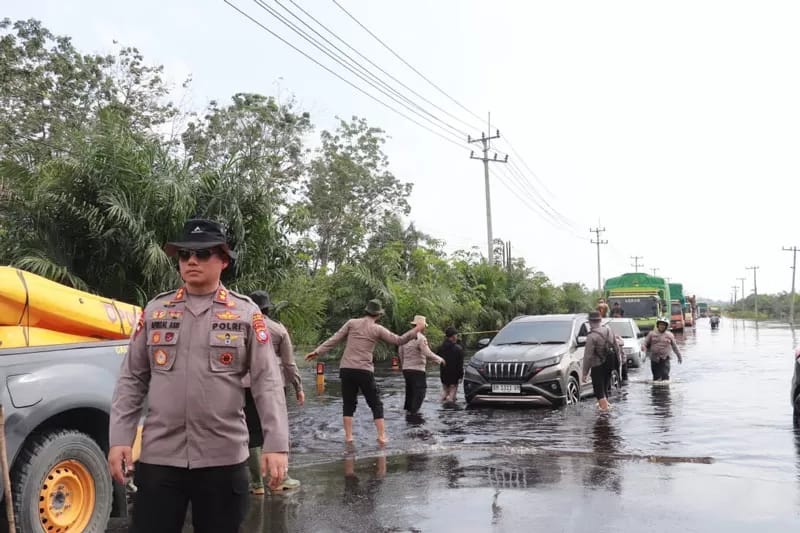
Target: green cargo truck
x,y
642,297
702,309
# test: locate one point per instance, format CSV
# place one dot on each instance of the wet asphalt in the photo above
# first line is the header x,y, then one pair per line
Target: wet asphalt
x,y
713,451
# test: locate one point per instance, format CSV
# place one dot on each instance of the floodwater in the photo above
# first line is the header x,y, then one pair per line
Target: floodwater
x,y
713,451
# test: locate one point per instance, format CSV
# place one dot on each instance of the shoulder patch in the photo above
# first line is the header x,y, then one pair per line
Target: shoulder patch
x,y
260,328
163,294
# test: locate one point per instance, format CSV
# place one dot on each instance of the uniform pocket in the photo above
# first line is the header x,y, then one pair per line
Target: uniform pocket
x,y
226,351
162,348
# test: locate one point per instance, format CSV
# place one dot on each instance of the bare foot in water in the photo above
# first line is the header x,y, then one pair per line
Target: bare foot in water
x,y
382,440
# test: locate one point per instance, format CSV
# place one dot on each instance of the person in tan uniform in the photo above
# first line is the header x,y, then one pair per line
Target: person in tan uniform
x,y
186,360
282,344
356,369
414,357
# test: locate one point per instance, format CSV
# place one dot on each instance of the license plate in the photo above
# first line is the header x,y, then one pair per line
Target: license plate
x,y
506,388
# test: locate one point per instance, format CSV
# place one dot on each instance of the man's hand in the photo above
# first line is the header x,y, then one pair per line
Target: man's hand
x,y
120,458
586,378
312,355
301,396
276,466
680,360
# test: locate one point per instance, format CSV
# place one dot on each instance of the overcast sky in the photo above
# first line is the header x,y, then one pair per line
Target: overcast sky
x,y
675,125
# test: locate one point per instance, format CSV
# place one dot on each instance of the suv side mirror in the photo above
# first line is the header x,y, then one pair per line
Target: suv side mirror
x,y
483,343
580,340
640,334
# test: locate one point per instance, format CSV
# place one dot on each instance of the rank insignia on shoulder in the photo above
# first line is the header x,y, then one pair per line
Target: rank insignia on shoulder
x,y
227,315
260,328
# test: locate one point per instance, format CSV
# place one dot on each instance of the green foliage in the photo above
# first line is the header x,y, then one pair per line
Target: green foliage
x,y
90,190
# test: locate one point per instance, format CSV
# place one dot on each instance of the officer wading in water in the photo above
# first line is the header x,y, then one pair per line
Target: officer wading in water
x,y
282,345
187,357
659,345
356,370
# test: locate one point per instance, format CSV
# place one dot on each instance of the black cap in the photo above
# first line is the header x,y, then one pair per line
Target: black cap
x,y
450,331
594,316
198,234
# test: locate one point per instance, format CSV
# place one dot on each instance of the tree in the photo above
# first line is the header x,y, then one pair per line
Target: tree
x,y
349,190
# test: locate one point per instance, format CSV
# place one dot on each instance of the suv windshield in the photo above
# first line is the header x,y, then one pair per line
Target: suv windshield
x,y
544,331
637,307
623,329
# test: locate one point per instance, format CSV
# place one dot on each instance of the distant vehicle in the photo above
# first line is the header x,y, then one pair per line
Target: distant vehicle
x,y
714,310
630,333
796,389
676,322
643,298
533,360
702,309
714,321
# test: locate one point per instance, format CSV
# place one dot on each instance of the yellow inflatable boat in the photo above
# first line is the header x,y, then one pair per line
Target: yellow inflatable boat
x,y
33,301
19,336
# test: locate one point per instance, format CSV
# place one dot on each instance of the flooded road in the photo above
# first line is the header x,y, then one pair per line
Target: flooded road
x,y
713,451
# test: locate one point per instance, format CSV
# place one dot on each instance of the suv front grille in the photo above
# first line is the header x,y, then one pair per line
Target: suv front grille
x,y
506,370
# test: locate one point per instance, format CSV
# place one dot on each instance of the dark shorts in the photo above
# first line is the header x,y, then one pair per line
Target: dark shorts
x,y
600,380
353,381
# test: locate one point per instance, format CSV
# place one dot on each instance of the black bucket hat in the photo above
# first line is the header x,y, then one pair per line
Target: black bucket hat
x,y
198,234
262,300
374,308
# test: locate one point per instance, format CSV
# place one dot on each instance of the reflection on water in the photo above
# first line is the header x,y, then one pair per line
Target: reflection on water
x,y
605,472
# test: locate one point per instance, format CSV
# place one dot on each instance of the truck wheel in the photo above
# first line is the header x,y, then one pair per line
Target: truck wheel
x,y
61,483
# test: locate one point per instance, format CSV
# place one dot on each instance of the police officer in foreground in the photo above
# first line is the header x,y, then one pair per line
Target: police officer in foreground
x,y
186,358
282,345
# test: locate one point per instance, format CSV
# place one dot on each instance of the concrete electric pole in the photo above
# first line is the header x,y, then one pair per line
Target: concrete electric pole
x,y
793,249
486,142
636,263
598,242
755,287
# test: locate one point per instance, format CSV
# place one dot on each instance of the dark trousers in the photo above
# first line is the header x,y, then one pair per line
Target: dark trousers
x,y
354,380
601,377
256,435
660,369
219,498
416,387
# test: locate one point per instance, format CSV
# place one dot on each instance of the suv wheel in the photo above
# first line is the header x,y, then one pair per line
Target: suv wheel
x,y
616,382
573,391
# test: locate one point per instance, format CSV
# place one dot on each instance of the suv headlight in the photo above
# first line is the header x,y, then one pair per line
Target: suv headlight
x,y
550,361
477,364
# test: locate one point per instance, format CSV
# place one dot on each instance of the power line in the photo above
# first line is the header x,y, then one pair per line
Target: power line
x,y
286,22
636,263
418,95
353,85
406,63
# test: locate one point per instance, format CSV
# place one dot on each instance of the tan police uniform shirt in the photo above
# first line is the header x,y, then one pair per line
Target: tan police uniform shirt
x,y
282,345
362,334
416,353
187,357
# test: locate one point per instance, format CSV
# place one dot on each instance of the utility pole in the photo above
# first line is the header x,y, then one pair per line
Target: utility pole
x,y
735,292
508,256
598,242
755,287
655,271
793,249
486,142
636,263
742,280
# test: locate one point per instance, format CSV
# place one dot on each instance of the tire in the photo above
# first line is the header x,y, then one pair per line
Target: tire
x,y
573,391
68,469
615,381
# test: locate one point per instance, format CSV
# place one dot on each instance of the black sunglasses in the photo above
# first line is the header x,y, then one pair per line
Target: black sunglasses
x,y
201,255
